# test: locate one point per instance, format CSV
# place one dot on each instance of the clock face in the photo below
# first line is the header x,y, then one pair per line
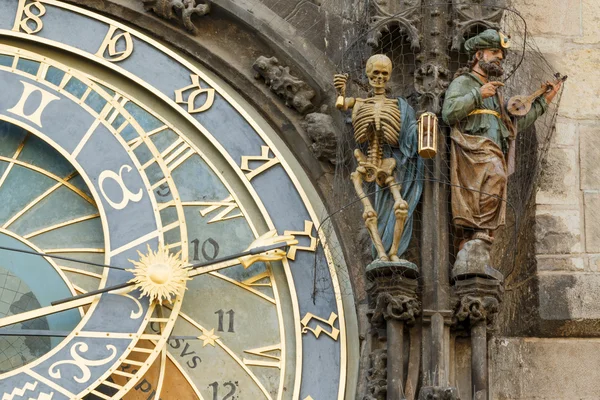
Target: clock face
x,y
107,159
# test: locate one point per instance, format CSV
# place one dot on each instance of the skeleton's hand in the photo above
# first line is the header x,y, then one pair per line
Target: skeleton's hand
x,y
339,81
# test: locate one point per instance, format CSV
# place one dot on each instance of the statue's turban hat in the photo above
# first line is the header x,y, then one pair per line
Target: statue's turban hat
x,y
488,39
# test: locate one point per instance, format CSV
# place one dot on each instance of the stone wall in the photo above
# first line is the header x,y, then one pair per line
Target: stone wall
x,y
568,216
567,222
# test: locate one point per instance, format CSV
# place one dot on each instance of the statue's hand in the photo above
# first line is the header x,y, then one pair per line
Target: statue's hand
x,y
489,89
554,88
339,81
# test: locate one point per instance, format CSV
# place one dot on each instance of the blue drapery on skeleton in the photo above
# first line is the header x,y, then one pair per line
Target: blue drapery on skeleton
x,y
409,173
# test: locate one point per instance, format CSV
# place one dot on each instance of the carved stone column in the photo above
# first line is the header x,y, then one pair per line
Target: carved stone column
x,y
394,305
476,311
431,81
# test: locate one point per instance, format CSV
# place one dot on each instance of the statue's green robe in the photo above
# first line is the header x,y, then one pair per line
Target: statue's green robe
x,y
479,144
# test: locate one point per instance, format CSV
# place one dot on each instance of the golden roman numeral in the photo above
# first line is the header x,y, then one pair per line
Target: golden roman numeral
x,y
27,17
334,333
228,204
254,280
191,99
173,156
109,45
264,156
36,115
264,352
176,154
307,232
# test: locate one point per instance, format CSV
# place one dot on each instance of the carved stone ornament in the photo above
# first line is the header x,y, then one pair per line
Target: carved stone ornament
x,y
438,393
401,308
469,14
179,9
431,82
322,133
296,93
386,14
475,309
377,376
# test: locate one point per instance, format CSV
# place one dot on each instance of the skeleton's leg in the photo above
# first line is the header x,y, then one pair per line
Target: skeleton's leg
x,y
401,213
369,214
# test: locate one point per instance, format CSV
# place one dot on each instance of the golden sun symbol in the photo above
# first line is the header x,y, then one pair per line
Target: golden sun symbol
x,y
159,274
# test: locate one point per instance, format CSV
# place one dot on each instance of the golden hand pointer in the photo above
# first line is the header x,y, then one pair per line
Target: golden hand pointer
x,y
74,302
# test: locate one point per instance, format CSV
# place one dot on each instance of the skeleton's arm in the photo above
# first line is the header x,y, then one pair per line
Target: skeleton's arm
x,y
342,102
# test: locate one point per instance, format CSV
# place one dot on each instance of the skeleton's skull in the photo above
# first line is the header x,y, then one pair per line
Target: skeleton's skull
x,y
379,69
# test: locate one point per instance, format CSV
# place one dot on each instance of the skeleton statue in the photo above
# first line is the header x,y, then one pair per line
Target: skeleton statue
x,y
378,121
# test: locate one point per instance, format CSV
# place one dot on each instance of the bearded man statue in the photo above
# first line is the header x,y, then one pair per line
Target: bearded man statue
x,y
482,133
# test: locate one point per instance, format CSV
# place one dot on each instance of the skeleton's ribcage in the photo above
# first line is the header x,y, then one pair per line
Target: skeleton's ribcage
x,y
377,116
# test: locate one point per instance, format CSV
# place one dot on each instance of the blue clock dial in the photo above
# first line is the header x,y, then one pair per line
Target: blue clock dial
x,y
46,208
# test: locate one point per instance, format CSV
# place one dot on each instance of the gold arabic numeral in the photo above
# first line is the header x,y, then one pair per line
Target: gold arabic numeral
x,y
29,17
267,162
197,90
117,46
333,332
36,115
126,196
268,360
307,232
228,205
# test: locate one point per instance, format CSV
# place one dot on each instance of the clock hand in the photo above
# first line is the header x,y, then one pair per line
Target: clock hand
x,y
268,247
43,311
49,333
35,253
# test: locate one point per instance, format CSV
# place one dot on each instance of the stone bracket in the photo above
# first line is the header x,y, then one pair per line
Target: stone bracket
x,y
181,10
296,93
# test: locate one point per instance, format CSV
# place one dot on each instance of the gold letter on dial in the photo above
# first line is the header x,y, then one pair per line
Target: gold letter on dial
x,y
118,178
198,90
30,22
319,329
109,45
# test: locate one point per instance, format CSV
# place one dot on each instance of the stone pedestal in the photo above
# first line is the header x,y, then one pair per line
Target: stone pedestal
x,y
474,260
476,310
393,305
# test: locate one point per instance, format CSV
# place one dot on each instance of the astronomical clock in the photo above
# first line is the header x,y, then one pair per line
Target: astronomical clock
x,y
157,239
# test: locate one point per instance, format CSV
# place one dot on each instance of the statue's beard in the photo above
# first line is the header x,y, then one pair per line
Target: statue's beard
x,y
491,69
